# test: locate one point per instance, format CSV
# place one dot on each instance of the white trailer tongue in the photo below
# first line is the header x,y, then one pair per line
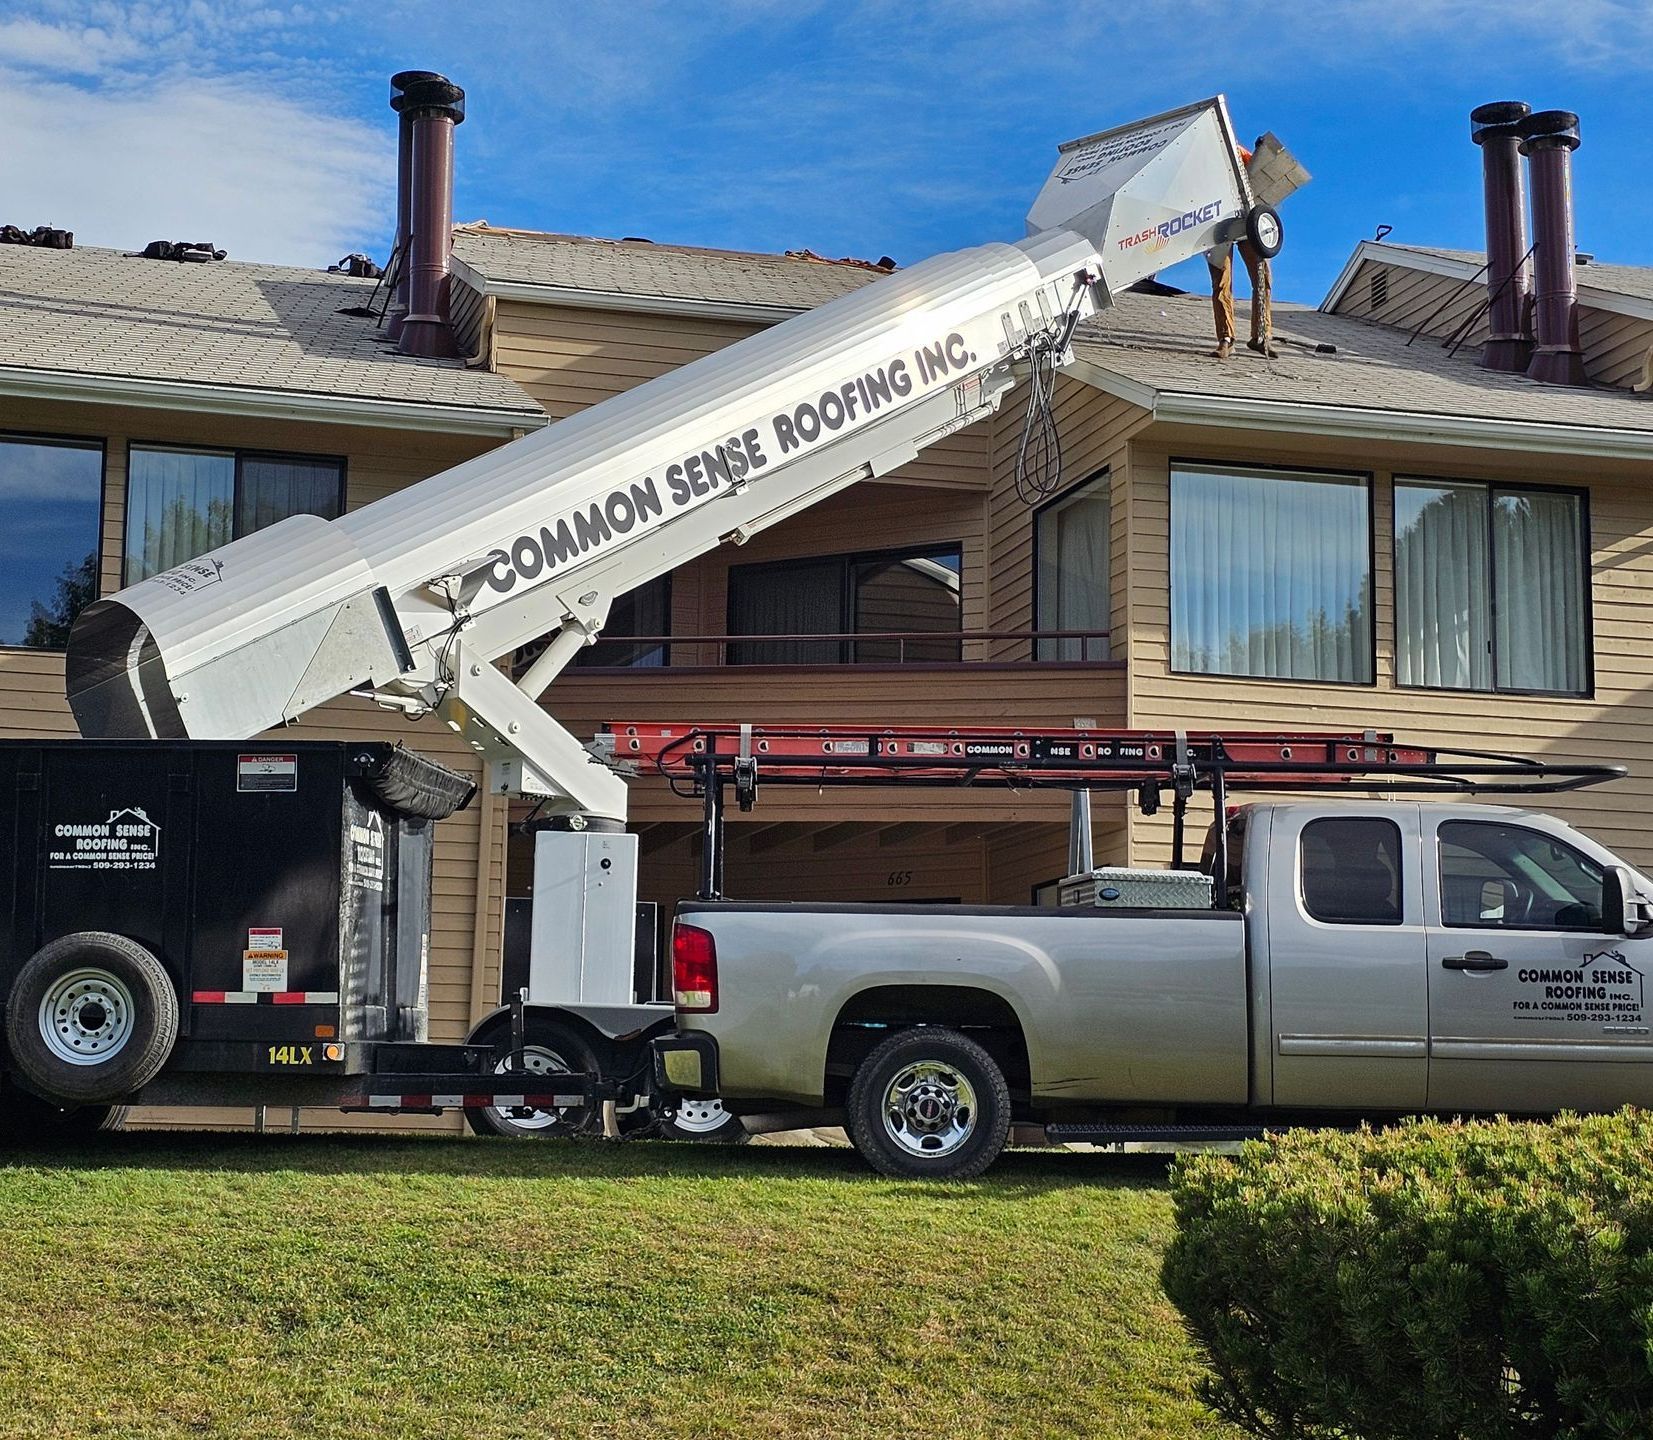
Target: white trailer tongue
x,y
413,597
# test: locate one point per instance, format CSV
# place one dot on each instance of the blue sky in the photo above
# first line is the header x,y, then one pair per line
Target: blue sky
x,y
854,127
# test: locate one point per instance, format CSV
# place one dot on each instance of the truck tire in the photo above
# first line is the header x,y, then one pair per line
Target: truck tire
x,y
91,1019
929,1104
26,1119
704,1122
548,1048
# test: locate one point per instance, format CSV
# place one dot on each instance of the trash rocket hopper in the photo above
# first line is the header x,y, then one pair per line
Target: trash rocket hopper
x,y
1156,192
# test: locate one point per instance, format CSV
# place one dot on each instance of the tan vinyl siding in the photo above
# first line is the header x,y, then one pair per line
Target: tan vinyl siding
x,y
1615,345
1615,725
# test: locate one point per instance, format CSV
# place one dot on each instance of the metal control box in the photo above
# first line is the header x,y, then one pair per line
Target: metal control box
x,y
584,924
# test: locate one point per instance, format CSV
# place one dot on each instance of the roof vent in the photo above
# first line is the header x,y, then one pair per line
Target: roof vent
x,y
1378,289
42,235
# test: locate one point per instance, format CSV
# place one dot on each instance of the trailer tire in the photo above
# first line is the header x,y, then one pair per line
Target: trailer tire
x,y
549,1048
91,1019
26,1119
929,1104
1264,231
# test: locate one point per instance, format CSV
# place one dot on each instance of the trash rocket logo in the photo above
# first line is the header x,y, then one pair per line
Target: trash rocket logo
x,y
1157,237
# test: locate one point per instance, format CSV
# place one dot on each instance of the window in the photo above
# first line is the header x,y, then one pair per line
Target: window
x,y
1512,878
645,611
181,503
1490,588
1351,871
1070,566
1271,574
51,498
907,604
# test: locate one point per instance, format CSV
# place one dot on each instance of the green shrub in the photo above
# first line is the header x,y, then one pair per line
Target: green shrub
x,y
1465,1281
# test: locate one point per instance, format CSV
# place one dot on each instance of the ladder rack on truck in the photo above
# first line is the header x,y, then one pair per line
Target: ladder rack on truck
x,y
712,759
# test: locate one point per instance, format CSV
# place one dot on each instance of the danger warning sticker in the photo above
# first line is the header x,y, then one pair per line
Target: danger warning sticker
x,y
266,772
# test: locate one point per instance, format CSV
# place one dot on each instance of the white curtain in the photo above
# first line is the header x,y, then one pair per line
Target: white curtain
x,y
1072,542
1538,569
1271,574
179,503
1443,613
1489,588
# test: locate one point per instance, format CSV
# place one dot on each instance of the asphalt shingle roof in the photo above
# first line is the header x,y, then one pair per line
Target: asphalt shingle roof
x,y
647,271
1165,342
97,312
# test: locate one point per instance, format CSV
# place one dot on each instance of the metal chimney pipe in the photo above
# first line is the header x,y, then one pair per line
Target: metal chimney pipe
x,y
1548,140
1496,129
433,108
397,310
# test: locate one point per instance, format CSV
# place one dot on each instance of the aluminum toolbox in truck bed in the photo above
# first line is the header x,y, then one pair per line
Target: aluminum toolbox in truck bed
x,y
1114,885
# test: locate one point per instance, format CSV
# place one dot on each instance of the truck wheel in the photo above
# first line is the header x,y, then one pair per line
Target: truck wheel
x,y
705,1121
27,1119
548,1048
929,1104
92,1018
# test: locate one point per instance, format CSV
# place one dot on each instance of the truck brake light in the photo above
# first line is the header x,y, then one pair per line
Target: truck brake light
x,y
694,968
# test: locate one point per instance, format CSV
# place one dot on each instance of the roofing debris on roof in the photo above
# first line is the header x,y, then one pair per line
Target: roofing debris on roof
x,y
45,236
97,312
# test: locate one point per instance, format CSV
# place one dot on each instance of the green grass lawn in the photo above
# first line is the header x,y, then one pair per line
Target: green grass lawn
x,y
271,1286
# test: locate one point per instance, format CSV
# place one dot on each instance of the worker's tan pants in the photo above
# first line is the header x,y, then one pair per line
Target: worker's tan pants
x,y
1222,292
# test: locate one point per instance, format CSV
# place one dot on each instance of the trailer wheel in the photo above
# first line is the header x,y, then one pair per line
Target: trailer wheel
x,y
91,1019
548,1048
930,1104
703,1121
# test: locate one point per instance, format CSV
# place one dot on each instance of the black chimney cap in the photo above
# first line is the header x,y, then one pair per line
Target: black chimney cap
x,y
1499,119
437,95
404,78
1549,128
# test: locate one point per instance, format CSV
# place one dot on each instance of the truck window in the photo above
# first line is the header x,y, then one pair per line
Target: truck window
x,y
1351,871
1508,876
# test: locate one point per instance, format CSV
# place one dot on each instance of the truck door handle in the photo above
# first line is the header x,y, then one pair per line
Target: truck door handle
x,y
1474,960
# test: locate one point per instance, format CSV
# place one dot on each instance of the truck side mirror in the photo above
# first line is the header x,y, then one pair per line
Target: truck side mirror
x,y
1623,911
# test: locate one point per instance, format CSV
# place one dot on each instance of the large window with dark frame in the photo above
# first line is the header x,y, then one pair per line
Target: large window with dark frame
x,y
182,502
51,504
1491,588
1070,569
1271,573
879,608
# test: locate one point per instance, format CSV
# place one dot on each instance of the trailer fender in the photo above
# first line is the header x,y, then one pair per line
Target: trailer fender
x,y
606,1025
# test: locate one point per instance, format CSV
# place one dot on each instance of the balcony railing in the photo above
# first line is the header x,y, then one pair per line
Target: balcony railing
x,y
865,648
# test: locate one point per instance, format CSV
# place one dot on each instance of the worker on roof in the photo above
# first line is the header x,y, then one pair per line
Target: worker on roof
x,y
1221,260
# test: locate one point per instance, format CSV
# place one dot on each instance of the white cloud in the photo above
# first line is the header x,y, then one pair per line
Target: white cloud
x,y
263,176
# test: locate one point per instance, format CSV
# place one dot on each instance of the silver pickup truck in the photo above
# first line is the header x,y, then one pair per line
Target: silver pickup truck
x,y
1375,960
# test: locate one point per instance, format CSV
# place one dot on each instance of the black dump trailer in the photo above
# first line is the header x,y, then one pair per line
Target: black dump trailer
x,y
221,923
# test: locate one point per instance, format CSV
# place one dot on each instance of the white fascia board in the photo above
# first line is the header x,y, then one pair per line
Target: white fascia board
x,y
148,394
1588,294
537,294
1111,382
1362,423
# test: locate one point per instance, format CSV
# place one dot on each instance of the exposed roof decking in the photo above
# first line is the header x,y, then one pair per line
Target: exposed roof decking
x,y
245,335
513,261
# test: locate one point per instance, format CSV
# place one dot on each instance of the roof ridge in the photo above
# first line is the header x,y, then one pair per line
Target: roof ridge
x,y
803,256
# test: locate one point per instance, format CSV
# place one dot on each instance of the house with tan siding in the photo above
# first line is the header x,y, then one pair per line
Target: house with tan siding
x,y
1368,530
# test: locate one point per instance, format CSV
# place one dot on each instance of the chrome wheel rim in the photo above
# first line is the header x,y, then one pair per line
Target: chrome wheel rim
x,y
87,1017
929,1109
700,1117
536,1060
